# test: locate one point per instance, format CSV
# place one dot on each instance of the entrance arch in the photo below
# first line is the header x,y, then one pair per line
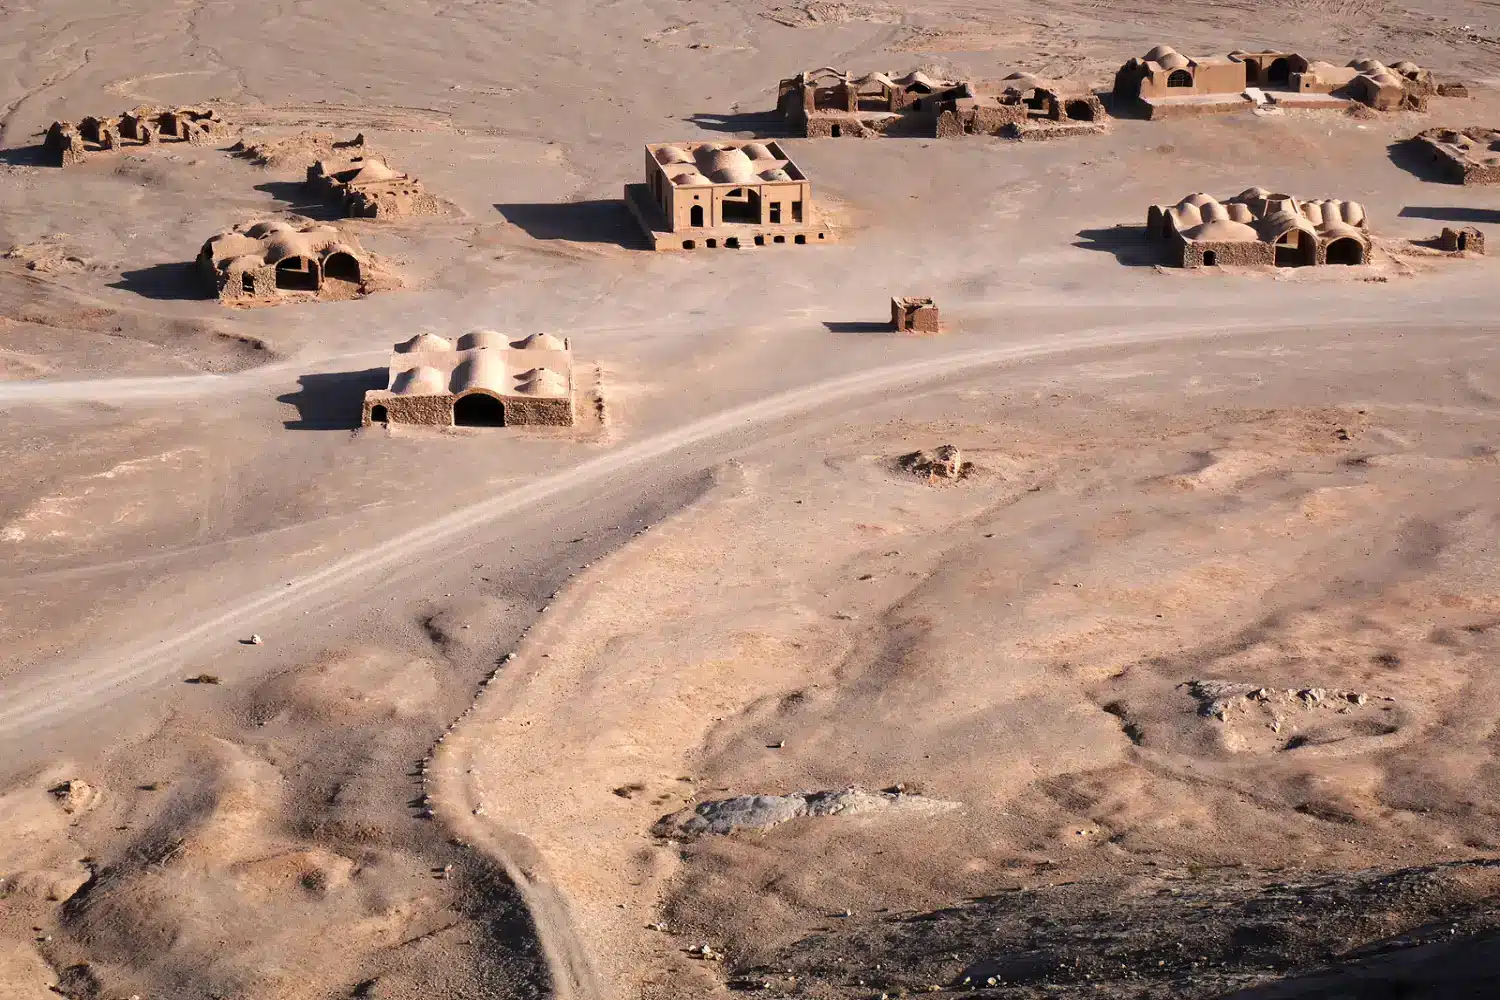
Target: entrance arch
x,y
1279,73
1346,250
378,414
695,217
342,266
478,409
741,205
1210,258
1180,78
298,274
1296,248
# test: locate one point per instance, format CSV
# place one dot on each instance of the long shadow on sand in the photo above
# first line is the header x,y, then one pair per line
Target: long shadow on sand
x,y
759,124
26,156
576,221
837,326
1130,244
332,401
165,282
298,200
1451,213
1415,158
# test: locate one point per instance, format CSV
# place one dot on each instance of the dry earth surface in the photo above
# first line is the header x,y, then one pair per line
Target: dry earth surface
x,y
1185,689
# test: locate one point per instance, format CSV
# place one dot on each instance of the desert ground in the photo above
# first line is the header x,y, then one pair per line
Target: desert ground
x,y
1183,689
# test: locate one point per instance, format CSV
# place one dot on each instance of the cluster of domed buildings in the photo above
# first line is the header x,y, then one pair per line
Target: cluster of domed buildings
x,y
1259,227
483,379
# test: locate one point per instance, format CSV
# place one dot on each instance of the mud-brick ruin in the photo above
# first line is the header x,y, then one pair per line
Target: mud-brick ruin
x,y
1165,83
706,195
280,261
1258,227
363,186
829,103
915,315
71,144
1466,239
1466,156
484,379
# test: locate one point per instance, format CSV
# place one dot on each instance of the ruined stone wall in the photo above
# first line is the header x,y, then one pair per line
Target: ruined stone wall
x,y
521,412
425,411
1237,254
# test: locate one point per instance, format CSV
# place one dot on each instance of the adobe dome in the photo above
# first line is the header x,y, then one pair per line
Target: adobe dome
x,y
1276,225
690,178
544,382
482,339
286,245
1240,212
1173,61
1159,52
1198,199
423,381
424,342
776,174
261,230
727,166
758,151
541,342
1222,231
672,154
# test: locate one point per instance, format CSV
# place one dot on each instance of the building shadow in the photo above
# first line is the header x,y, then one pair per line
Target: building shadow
x,y
576,221
1467,968
1131,245
27,156
332,401
298,199
164,282
1417,158
857,327
1452,213
758,124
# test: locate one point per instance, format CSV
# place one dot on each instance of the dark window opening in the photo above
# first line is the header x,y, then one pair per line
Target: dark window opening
x,y
775,213
478,410
1346,251
713,244
796,211
1463,241
1296,248
836,132
695,217
247,283
800,238
342,266
760,241
1210,258
1180,78
297,274
1252,71
689,245
377,414
821,235
1279,73
778,239
733,243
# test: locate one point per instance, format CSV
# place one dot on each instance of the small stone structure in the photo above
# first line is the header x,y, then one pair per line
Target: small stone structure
x,y
1467,156
1166,83
830,103
71,144
484,379
724,194
915,315
363,186
1259,227
279,260
1467,239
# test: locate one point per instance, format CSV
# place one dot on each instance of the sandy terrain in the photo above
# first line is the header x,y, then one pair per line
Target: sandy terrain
x,y
1213,610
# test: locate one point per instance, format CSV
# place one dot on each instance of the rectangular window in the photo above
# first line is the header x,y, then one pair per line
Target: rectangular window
x,y
796,211
775,213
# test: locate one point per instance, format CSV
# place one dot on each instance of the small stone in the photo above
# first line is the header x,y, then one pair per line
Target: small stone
x,y
255,639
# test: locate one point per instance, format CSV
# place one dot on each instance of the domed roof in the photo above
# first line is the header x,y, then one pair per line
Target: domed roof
x,y
1173,60
1333,230
424,342
1214,212
1025,81
672,154
1222,231
1252,194
422,381
375,170
481,369
758,151
246,262
543,382
775,174
690,178
1279,223
541,342
261,230
482,339
1406,66
727,166
286,245
1238,211
1158,52
1198,199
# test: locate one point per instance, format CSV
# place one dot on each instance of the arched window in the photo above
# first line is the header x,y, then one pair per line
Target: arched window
x,y
377,414
696,215
1180,78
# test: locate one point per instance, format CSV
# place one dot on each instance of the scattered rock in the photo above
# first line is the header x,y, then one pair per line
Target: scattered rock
x,y
254,640
761,812
75,796
204,679
945,462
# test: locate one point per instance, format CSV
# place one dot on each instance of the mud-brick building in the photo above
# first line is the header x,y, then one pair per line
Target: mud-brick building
x,y
366,187
483,379
282,261
734,195
1466,156
69,144
1260,227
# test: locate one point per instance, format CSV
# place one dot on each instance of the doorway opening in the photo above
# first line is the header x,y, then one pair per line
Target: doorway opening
x,y
478,410
741,205
1346,251
341,266
837,132
1210,258
297,274
1279,73
377,414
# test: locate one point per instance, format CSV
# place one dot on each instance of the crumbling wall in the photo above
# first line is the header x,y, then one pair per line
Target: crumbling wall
x,y
1233,254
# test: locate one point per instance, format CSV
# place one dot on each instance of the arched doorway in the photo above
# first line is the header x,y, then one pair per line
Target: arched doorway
x,y
341,266
695,217
478,410
1296,248
1210,258
1346,250
297,274
1252,71
1079,111
1279,73
836,132
378,414
1180,78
